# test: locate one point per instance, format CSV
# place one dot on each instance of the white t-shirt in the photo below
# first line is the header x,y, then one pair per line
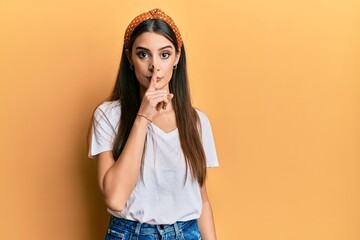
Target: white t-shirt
x,y
160,196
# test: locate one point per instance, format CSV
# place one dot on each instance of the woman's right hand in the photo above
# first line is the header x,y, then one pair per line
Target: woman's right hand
x,y
154,99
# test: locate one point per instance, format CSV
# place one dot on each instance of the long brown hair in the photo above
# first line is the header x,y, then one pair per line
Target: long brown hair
x,y
126,90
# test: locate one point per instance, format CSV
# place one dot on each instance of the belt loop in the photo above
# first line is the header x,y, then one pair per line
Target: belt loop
x,y
177,230
137,229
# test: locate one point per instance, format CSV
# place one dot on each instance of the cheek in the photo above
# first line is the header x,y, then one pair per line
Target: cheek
x,y
140,69
168,70
168,74
139,74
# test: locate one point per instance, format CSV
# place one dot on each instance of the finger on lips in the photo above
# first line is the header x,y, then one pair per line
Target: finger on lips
x,y
161,101
152,85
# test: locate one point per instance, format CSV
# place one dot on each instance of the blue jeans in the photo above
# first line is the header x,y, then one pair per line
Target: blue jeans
x,y
122,229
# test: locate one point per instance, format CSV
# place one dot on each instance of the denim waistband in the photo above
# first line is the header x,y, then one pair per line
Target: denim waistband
x,y
145,228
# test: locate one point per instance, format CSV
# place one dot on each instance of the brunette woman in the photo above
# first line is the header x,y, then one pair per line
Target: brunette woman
x,y
152,146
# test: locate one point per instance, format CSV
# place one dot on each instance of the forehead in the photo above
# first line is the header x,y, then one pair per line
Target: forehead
x,y
152,41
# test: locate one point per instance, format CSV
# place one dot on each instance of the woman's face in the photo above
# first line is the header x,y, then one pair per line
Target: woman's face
x,y
153,52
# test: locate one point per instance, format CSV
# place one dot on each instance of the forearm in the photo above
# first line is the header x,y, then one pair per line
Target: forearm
x,y
206,222
121,178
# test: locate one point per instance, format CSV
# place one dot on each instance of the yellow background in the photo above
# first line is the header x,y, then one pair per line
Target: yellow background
x,y
280,81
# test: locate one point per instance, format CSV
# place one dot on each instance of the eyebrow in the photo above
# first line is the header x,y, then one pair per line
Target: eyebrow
x,y
162,48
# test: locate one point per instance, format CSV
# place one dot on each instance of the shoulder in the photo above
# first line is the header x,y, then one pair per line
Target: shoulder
x,y
202,116
108,109
204,120
108,106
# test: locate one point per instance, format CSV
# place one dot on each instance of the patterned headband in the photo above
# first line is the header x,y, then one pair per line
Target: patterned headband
x,y
153,14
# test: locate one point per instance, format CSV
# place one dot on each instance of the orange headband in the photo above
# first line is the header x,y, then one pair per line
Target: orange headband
x,y
153,14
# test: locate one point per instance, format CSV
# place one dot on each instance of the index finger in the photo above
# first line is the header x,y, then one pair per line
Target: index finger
x,y
152,85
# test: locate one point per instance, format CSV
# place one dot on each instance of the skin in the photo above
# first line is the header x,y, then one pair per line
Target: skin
x,y
153,57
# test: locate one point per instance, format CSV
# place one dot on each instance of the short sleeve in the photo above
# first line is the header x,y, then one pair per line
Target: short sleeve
x,y
104,127
208,140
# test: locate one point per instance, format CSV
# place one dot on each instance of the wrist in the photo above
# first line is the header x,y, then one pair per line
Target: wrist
x,y
140,115
141,122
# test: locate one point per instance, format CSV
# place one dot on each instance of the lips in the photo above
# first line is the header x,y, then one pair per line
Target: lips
x,y
158,79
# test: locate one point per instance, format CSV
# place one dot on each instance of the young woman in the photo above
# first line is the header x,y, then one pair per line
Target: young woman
x,y
151,145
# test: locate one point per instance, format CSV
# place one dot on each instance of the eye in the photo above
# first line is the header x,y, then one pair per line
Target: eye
x,y
165,55
143,55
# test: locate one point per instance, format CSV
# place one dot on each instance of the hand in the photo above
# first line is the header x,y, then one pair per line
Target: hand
x,y
154,99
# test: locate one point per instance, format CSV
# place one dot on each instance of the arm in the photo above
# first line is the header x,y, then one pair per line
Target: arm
x,y
206,220
117,179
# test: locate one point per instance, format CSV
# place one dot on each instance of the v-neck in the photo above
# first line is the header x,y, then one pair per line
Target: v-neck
x,y
162,132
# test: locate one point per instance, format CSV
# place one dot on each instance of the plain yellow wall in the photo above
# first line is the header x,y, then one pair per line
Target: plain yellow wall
x,y
280,81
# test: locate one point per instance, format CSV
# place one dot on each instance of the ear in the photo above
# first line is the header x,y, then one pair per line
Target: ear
x,y
177,58
128,55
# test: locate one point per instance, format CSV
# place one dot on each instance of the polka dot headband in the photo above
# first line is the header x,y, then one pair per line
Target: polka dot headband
x,y
153,14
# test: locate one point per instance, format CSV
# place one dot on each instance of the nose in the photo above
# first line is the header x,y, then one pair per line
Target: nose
x,y
154,63
152,67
